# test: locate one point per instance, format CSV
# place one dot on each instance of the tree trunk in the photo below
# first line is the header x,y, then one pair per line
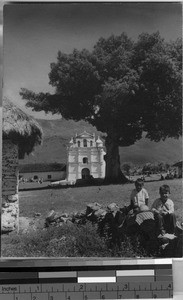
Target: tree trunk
x,y
112,159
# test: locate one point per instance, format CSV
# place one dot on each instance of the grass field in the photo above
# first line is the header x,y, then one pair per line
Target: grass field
x,y
71,241
76,198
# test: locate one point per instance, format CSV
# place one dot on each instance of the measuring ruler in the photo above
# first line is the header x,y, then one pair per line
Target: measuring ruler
x,y
83,282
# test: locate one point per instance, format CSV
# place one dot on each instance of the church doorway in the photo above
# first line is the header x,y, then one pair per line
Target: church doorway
x,y
85,173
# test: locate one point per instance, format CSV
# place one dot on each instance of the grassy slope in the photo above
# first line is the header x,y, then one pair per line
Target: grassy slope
x,y
75,199
50,243
58,132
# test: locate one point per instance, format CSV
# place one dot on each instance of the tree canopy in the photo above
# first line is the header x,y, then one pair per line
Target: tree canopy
x,y
122,87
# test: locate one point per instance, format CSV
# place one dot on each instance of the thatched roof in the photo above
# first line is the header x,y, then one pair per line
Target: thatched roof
x,y
20,128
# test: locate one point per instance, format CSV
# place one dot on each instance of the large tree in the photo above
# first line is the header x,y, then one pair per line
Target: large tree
x,y
122,87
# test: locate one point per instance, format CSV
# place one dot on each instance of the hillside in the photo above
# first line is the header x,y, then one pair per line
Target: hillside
x,y
57,134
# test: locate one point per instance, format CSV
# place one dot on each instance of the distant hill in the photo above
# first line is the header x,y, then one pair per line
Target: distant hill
x,y
57,134
64,128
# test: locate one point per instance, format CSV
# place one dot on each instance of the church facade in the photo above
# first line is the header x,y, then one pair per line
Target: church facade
x,y
85,157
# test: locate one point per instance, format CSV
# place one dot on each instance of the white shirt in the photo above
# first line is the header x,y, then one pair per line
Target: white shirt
x,y
138,198
160,206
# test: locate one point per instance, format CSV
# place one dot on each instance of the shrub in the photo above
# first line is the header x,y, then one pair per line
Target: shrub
x,y
69,240
64,241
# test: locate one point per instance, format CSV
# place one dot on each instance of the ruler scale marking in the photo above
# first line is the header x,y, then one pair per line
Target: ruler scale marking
x,y
120,281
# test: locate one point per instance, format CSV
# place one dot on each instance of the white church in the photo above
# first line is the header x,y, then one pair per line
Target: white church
x,y
85,157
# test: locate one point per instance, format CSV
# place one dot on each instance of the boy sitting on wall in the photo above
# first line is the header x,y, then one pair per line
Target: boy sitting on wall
x,y
139,196
163,209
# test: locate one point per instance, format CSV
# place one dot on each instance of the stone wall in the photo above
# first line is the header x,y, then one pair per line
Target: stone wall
x,y
10,201
117,224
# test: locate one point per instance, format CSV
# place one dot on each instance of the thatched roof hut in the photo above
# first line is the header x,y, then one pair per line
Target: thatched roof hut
x,y
20,128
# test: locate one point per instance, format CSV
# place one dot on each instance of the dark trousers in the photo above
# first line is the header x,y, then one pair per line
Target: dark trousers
x,y
166,222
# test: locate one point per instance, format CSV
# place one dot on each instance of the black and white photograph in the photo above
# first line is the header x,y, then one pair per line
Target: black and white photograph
x,y
92,130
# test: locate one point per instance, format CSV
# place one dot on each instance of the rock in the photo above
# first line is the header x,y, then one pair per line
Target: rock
x,y
92,207
51,218
78,221
113,207
82,213
65,220
14,214
37,214
8,223
11,209
7,218
7,228
100,213
78,215
65,215
62,219
51,213
166,238
75,215
13,198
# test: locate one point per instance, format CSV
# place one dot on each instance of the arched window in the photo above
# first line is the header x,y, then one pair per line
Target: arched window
x,y
85,160
85,143
91,144
79,143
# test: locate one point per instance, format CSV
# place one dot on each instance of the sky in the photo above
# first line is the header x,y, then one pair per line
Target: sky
x,y
34,32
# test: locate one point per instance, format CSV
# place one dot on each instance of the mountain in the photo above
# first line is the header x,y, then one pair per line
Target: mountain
x,y
57,134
